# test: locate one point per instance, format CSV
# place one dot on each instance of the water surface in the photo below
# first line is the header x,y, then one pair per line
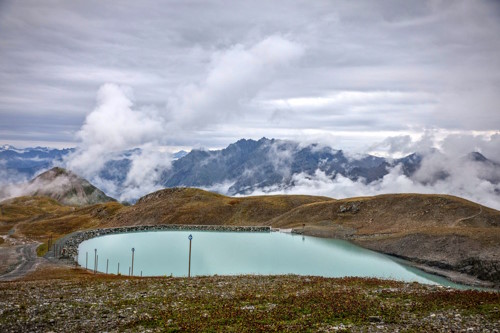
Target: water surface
x,y
231,253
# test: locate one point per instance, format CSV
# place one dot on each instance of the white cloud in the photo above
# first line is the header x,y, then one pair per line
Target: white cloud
x,y
145,173
463,184
113,126
235,77
446,168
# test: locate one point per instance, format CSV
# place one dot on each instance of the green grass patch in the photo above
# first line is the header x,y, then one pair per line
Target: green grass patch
x,y
42,250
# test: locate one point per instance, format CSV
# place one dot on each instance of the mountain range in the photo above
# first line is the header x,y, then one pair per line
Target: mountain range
x,y
245,166
269,164
26,163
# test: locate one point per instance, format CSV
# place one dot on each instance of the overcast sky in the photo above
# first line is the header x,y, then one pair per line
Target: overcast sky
x,y
182,74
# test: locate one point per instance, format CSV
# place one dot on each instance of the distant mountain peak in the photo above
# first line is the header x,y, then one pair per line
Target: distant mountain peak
x,y
476,156
53,174
66,187
179,154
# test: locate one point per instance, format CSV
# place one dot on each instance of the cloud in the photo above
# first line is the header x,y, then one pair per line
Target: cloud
x,y
276,69
113,126
235,77
402,145
346,74
446,168
457,144
463,184
56,186
145,173
9,176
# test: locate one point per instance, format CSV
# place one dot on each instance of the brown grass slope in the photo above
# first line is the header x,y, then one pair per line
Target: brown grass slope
x,y
194,206
37,217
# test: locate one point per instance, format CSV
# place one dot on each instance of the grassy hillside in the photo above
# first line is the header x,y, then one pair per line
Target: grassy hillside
x,y
194,206
39,217
442,231
393,213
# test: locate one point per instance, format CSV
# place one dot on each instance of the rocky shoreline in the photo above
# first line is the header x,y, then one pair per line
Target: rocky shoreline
x,y
466,274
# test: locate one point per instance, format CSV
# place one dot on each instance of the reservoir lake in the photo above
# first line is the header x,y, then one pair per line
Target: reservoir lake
x,y
166,253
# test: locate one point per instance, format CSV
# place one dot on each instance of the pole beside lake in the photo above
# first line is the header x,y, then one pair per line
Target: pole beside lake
x,y
132,268
95,260
190,237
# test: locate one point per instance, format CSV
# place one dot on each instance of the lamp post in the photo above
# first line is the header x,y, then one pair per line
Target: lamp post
x,y
132,269
190,237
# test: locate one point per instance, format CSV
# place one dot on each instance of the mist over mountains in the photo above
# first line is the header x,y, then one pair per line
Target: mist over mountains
x,y
270,166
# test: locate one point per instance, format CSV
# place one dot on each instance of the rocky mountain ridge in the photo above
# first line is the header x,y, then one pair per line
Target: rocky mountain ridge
x,y
263,166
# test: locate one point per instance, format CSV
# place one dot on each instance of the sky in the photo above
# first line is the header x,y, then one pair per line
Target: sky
x,y
384,77
356,75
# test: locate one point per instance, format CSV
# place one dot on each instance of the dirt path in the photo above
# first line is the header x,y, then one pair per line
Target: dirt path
x,y
469,217
27,260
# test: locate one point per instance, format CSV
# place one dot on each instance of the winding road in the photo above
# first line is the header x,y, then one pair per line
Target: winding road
x,y
26,263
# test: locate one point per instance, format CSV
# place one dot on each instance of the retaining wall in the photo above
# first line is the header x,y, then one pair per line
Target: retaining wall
x,y
70,245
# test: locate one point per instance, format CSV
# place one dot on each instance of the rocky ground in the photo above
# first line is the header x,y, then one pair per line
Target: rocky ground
x,y
62,299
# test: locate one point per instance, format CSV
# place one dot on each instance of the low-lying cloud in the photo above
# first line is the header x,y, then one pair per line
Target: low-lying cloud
x,y
468,187
447,167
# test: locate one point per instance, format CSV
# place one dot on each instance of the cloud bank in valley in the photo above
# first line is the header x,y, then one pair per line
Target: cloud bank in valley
x,y
445,168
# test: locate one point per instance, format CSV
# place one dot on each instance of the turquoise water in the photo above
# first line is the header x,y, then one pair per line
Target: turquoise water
x,y
231,253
